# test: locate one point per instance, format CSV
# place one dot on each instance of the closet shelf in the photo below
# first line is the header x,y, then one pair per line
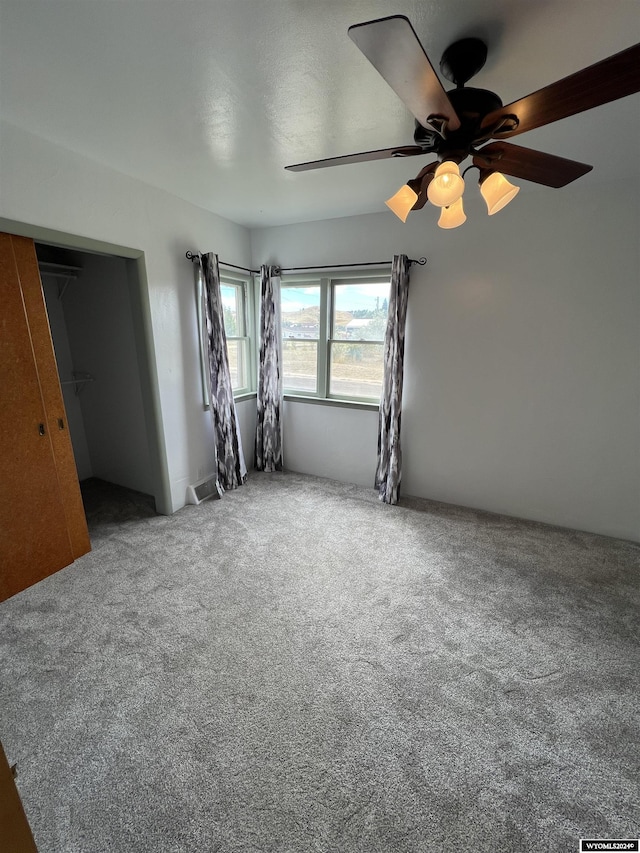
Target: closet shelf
x,y
63,272
79,380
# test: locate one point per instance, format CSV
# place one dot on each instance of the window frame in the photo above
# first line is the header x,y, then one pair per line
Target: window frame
x,y
327,284
246,287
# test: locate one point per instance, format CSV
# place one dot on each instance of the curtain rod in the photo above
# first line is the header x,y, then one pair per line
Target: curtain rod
x,y
191,256
420,261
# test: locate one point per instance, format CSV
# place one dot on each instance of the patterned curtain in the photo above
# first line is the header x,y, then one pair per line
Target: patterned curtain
x,y
228,456
269,421
389,470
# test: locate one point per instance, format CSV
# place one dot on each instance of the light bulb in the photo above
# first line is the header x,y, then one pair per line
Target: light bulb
x,y
402,202
452,216
497,192
446,186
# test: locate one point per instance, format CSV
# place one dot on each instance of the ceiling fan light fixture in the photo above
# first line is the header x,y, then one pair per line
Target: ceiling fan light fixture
x,y
497,192
447,185
453,215
402,202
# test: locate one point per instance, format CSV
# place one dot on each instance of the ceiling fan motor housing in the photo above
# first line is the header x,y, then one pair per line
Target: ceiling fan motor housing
x,y
460,62
471,106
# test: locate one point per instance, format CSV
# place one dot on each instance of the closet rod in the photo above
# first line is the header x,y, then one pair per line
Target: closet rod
x,y
420,261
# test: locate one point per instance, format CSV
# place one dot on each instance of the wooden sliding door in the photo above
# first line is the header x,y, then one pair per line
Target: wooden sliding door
x,y
42,522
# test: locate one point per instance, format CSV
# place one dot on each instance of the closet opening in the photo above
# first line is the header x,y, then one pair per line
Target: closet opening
x,y
98,312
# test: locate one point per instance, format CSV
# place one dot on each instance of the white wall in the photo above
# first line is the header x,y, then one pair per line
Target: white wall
x,y
334,442
46,186
522,379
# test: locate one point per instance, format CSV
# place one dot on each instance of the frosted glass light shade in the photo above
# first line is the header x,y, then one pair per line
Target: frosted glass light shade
x,y
446,185
452,216
497,192
402,202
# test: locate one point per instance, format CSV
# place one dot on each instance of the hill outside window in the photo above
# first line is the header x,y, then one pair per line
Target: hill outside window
x,y
333,335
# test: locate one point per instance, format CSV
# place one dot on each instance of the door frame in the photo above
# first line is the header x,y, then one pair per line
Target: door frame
x,y
143,330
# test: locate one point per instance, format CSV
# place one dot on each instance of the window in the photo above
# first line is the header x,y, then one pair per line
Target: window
x,y
333,336
234,297
300,337
238,309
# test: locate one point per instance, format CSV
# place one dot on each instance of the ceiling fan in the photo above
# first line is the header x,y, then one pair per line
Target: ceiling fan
x,y
460,123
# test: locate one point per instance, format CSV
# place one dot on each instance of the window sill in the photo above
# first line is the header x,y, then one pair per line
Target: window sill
x,y
331,401
247,395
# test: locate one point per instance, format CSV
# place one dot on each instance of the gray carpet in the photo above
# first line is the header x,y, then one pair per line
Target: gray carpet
x,y
299,668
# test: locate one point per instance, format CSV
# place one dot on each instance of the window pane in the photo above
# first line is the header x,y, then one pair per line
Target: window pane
x,y
300,312
360,311
232,308
237,351
232,350
356,370
300,365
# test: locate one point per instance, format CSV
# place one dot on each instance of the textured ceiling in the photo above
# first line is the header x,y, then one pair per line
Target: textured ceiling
x,y
211,100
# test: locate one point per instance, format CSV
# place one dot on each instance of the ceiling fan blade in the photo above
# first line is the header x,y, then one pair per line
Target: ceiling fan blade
x,y
380,154
606,81
393,48
529,165
420,183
